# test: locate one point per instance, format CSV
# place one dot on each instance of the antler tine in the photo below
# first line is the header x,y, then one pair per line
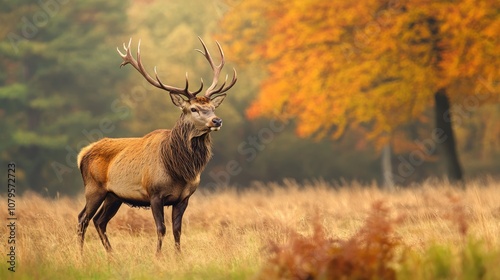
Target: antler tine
x,y
221,89
137,64
201,85
233,81
216,71
126,55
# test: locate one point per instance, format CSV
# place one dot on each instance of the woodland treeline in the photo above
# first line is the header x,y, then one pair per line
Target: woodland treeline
x,y
386,91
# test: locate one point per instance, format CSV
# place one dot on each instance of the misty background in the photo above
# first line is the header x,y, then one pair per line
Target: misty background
x,y
61,88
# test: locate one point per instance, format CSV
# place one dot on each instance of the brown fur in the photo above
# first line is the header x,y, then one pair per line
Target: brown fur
x,y
161,168
184,157
173,154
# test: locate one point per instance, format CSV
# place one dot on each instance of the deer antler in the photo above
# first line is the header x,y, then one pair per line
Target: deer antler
x,y
216,69
128,58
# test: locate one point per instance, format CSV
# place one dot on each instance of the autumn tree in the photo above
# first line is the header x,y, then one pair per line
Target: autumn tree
x,y
334,65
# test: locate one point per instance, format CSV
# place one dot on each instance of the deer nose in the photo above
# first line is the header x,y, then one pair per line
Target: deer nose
x,y
217,121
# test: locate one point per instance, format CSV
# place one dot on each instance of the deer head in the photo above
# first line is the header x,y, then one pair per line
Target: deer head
x,y
197,110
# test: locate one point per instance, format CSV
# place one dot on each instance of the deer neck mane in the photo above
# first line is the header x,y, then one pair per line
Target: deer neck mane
x,y
184,154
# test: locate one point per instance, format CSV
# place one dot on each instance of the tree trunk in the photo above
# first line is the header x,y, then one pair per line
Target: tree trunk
x,y
446,147
388,178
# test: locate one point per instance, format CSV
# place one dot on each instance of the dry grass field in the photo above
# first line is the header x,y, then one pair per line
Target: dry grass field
x,y
230,234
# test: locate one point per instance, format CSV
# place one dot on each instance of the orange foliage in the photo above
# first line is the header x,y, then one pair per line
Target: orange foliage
x,y
331,64
369,254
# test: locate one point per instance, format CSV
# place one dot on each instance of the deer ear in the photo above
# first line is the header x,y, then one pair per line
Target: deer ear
x,y
218,100
178,100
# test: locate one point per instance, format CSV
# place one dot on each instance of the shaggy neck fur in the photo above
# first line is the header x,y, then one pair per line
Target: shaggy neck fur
x,y
185,155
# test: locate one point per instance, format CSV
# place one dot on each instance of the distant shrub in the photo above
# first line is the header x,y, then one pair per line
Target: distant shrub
x,y
371,253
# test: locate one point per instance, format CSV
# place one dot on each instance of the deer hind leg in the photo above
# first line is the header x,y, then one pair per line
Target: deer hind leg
x,y
94,198
108,210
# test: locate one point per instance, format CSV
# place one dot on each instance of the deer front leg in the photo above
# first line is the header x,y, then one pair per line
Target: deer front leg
x,y
177,213
158,214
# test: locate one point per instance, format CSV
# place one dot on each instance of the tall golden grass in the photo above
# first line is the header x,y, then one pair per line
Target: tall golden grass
x,y
227,233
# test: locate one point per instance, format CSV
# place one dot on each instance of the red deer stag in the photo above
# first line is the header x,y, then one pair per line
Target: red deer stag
x,y
160,169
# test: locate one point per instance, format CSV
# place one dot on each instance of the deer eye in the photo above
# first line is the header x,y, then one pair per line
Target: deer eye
x,y
194,110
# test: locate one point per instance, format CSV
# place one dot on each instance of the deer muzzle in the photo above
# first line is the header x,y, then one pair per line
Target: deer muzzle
x,y
217,124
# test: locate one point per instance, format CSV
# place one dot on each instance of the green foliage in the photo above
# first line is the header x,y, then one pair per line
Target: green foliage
x,y
439,262
61,81
470,260
474,261
15,91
